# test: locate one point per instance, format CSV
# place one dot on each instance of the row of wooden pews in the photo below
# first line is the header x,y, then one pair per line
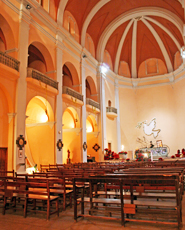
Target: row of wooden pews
x,y
149,194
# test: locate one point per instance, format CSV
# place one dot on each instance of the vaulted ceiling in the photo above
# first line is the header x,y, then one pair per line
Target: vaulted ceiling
x,y
131,31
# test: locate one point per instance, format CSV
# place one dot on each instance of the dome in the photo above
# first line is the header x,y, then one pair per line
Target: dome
x,y
135,38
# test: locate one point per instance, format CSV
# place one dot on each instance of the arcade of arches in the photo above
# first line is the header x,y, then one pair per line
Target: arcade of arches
x,y
53,87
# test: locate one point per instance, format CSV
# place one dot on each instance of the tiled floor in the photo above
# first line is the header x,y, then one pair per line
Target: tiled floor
x,y
15,221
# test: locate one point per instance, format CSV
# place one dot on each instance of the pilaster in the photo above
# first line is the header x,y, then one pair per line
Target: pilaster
x,y
102,116
21,90
83,118
118,117
59,108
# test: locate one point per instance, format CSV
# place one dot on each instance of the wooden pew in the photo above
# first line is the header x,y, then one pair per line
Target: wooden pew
x,y
30,192
131,208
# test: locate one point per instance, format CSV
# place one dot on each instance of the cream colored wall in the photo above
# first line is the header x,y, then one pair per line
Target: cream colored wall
x,y
41,142
180,113
138,105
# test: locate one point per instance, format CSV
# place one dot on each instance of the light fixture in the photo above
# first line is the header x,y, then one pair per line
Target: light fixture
x,y
28,7
44,117
122,147
104,68
183,52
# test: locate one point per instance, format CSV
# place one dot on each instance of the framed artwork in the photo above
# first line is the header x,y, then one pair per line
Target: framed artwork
x,y
159,143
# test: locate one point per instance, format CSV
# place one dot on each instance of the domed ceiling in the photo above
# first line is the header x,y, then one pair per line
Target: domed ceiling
x,y
141,37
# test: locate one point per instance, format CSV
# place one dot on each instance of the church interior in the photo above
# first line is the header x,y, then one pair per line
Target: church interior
x,y
92,82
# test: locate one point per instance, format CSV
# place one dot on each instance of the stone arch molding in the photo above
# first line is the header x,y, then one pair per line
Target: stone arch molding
x,y
143,11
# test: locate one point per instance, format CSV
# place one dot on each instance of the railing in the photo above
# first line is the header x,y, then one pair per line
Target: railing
x,y
9,61
93,103
42,77
111,110
71,92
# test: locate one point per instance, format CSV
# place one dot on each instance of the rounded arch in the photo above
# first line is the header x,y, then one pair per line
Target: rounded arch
x,y
70,71
60,14
89,18
91,90
7,32
37,108
70,118
71,25
150,67
44,55
91,124
39,132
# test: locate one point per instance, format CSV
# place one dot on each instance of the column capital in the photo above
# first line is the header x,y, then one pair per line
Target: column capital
x,y
10,116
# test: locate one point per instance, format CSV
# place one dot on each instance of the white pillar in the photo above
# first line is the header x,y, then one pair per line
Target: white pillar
x,y
118,117
83,117
21,90
59,109
102,116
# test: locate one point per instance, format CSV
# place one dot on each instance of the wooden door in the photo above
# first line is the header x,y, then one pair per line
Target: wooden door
x,y
3,159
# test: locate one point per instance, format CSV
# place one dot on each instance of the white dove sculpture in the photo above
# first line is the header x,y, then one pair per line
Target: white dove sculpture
x,y
149,129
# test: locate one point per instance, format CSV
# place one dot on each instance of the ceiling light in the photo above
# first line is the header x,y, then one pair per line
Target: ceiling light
x,y
183,52
104,68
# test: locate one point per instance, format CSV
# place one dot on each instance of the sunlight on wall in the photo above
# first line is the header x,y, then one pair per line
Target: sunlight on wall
x,y
89,127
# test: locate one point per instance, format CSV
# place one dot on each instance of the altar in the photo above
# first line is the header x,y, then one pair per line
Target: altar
x,y
156,152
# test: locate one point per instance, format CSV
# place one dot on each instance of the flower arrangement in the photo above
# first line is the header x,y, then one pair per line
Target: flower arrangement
x,y
123,152
160,159
172,156
128,159
177,155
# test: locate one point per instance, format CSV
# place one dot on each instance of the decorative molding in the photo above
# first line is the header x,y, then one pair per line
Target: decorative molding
x,y
77,130
51,124
10,116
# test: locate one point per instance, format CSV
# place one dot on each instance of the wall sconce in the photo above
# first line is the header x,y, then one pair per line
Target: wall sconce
x,y
28,7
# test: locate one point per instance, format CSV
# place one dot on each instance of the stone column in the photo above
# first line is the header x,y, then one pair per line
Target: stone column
x,y
21,90
83,117
118,117
102,116
59,108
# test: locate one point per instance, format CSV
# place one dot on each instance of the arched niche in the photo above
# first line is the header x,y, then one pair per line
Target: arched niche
x,y
152,67
70,77
91,90
91,124
177,60
70,119
124,69
6,35
71,135
40,58
36,59
39,131
71,25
